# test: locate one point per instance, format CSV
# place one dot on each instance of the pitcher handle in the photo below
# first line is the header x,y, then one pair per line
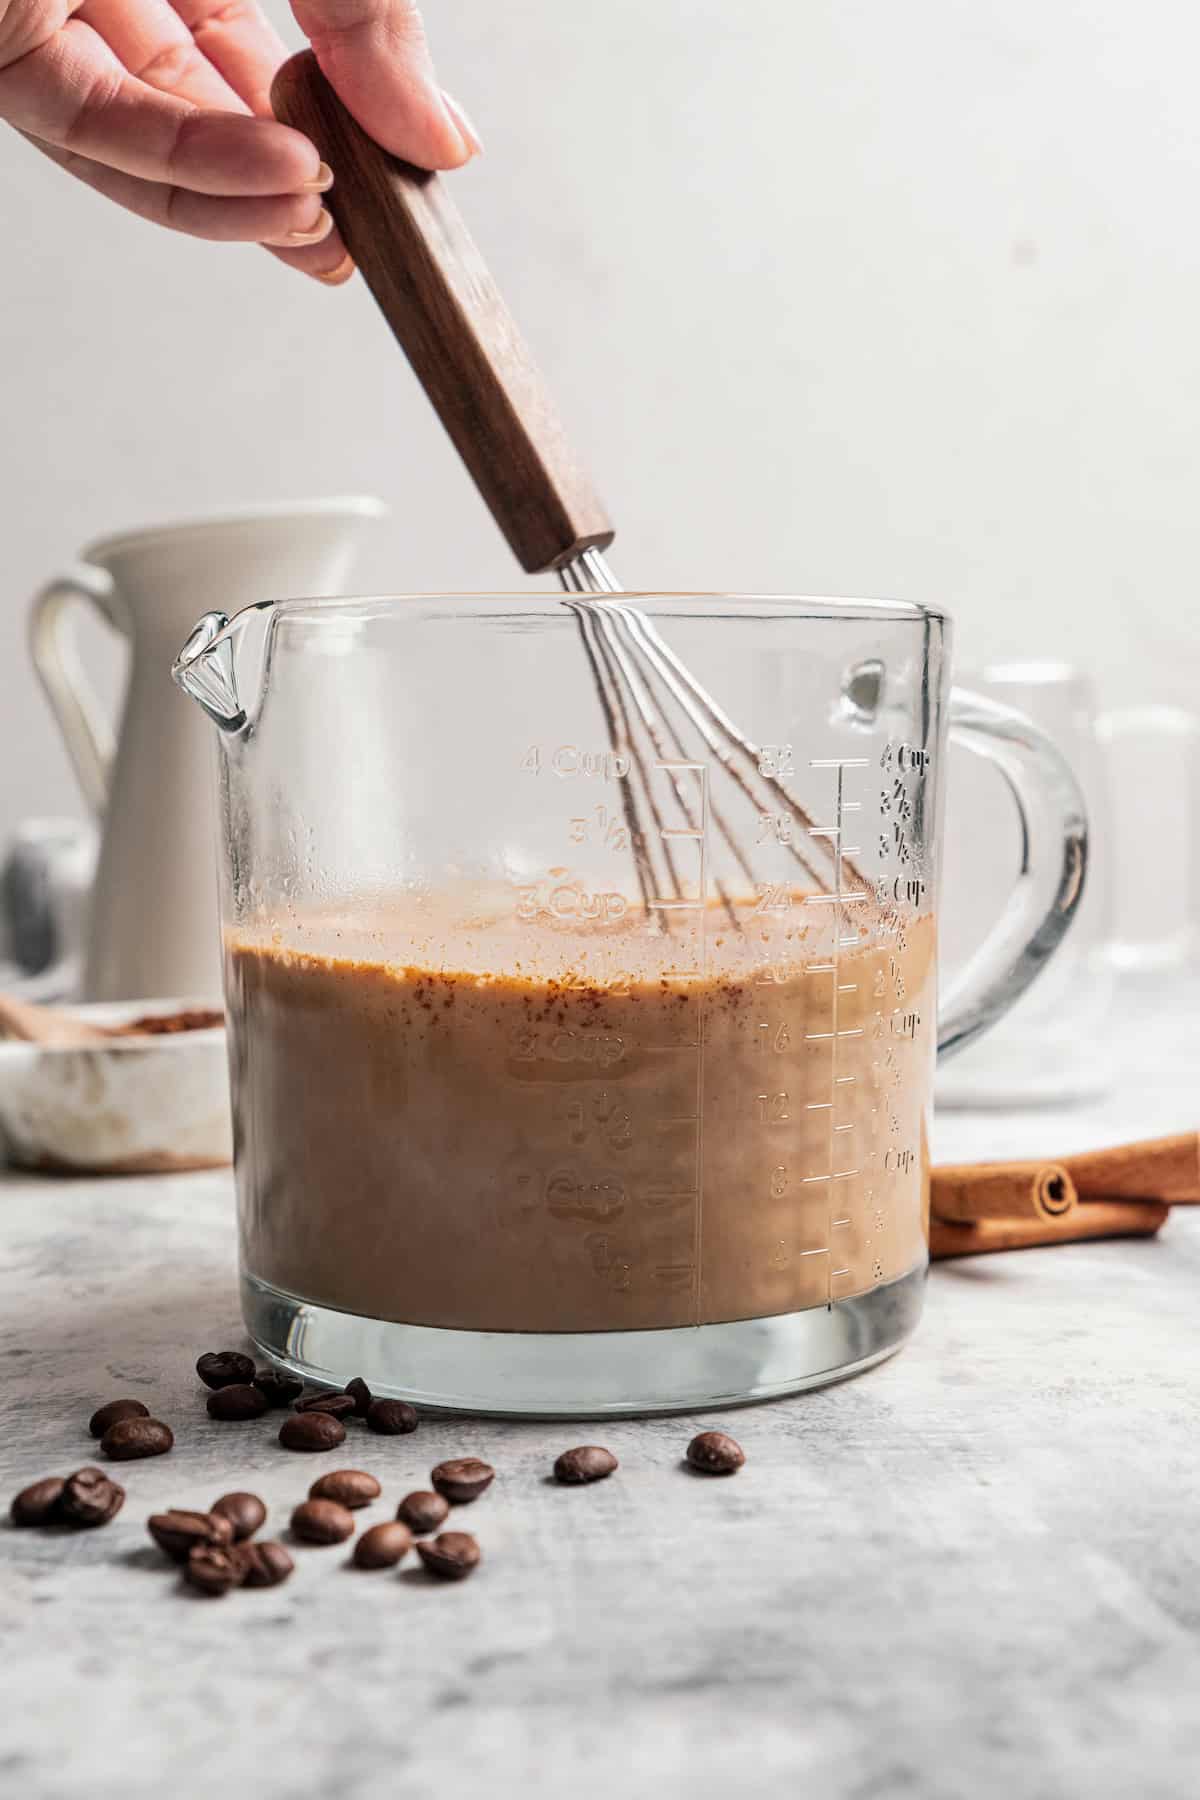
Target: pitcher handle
x,y
86,732
1054,835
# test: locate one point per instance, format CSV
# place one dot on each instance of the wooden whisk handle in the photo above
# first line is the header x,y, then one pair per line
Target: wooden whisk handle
x,y
432,285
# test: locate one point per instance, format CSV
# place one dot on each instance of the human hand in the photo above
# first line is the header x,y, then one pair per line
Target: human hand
x,y
164,106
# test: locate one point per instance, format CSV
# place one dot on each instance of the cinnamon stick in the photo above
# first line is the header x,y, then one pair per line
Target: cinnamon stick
x,y
967,1192
1165,1168
1098,1219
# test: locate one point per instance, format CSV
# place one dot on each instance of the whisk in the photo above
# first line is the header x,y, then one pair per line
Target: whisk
x,y
657,710
435,291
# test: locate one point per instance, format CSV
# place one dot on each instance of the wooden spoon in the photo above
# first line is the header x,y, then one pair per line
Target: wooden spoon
x,y
59,1030
48,1025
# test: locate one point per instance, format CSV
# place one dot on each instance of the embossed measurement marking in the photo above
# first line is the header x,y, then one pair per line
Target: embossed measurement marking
x,y
600,826
840,898
676,1276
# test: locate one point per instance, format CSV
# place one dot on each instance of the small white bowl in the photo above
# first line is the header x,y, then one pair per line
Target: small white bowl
x,y
136,1105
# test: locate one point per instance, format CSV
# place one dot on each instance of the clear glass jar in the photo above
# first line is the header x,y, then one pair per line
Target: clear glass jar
x,y
582,1025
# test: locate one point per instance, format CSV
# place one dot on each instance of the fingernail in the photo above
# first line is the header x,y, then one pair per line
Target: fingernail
x,y
336,276
466,130
321,229
321,183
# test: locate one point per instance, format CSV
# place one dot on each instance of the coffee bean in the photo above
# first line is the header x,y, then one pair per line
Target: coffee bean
x,y
338,1406
715,1453
453,1555
391,1418
383,1546
277,1387
129,1439
245,1513
423,1512
349,1487
322,1522
214,1570
588,1463
238,1401
360,1393
38,1504
178,1532
463,1478
90,1498
265,1564
312,1431
108,1415
224,1368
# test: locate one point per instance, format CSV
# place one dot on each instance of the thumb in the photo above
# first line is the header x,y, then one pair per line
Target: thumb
x,y
375,55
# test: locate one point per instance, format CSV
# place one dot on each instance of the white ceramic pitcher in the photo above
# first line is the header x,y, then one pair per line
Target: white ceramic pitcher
x,y
153,922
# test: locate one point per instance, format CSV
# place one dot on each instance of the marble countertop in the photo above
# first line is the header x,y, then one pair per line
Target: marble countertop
x,y
973,1571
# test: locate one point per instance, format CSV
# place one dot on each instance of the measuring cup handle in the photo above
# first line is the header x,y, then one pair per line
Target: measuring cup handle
x,y
1049,886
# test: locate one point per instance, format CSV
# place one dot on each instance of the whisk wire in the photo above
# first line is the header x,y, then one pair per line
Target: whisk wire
x,y
625,647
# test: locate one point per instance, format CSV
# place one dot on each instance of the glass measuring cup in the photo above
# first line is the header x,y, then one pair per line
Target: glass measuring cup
x,y
516,1132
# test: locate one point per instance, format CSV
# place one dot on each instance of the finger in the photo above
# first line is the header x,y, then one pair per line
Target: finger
x,y
375,54
291,220
328,262
74,93
156,47
239,41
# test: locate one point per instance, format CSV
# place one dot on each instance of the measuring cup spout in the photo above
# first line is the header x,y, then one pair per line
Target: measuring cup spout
x,y
207,667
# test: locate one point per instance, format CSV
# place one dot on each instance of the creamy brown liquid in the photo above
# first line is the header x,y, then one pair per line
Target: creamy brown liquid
x,y
489,1138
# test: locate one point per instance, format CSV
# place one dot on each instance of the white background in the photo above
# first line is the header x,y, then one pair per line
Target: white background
x,y
837,297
